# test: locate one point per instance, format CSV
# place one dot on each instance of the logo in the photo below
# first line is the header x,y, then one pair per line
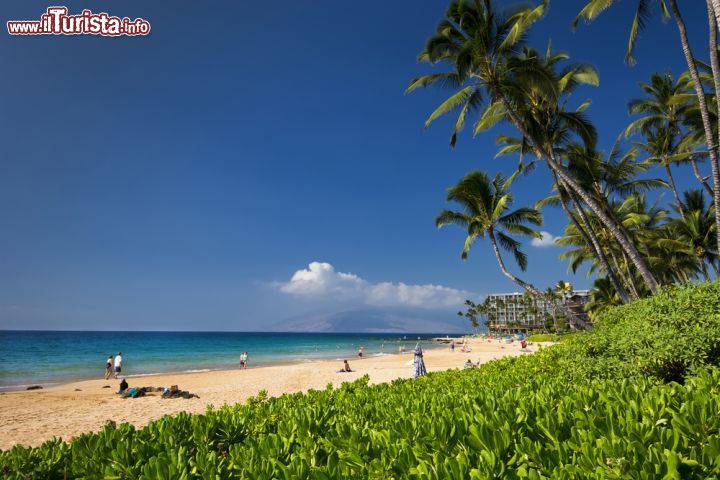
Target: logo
x,y
56,21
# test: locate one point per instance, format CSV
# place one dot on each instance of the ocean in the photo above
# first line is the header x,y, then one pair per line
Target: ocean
x,y
49,358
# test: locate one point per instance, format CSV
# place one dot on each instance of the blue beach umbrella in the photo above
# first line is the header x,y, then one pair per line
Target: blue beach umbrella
x,y
418,362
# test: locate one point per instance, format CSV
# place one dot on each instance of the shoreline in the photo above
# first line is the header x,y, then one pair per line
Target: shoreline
x,y
71,409
436,343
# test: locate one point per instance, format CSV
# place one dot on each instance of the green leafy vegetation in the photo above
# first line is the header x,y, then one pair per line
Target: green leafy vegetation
x,y
544,337
602,404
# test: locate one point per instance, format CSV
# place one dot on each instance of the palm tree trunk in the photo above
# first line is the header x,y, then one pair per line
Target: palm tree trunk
x,y
622,293
630,275
530,288
627,282
591,239
623,270
574,186
674,188
704,113
613,226
700,177
704,269
715,13
715,66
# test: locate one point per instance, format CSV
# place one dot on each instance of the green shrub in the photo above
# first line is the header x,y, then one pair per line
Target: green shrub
x,y
544,337
664,337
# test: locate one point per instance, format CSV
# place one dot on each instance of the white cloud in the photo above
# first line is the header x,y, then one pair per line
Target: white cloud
x,y
547,240
320,280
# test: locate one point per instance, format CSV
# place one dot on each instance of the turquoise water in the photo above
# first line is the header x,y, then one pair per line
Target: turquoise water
x,y
47,358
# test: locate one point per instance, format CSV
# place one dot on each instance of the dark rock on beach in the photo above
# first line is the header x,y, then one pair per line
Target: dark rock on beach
x,y
34,387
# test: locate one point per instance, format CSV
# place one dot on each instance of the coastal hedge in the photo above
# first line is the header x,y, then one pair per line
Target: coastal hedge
x,y
544,337
525,417
666,337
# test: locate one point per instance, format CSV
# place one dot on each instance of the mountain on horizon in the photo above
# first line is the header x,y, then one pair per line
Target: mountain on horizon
x,y
373,321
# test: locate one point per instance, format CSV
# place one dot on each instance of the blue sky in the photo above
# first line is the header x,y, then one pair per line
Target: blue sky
x,y
178,181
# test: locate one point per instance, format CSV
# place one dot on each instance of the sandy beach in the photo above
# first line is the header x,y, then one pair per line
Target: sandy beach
x,y
66,411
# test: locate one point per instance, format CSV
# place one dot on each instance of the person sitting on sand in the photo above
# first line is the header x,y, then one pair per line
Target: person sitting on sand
x,y
468,365
345,368
108,367
123,386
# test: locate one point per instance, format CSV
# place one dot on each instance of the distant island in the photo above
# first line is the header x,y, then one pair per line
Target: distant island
x,y
374,321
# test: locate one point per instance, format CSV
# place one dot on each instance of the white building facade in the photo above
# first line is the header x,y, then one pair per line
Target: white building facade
x,y
520,311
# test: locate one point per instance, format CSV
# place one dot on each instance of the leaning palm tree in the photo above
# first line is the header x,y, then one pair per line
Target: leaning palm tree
x,y
667,8
485,212
491,73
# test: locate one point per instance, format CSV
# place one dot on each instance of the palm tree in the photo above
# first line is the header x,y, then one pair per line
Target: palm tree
x,y
664,109
473,311
667,7
615,175
602,297
483,47
485,211
564,288
694,234
580,223
641,222
660,143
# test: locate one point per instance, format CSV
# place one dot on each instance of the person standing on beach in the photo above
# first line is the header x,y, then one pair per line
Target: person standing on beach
x,y
418,362
243,360
118,364
360,352
108,367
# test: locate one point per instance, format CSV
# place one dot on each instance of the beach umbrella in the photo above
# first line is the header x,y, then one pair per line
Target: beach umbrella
x,y
418,362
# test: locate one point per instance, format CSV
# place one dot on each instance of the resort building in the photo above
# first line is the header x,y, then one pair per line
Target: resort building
x,y
523,312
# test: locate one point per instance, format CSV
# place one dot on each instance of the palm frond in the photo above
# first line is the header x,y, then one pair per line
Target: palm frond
x,y
451,103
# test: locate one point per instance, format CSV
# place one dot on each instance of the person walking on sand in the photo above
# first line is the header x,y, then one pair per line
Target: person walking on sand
x,y
452,346
108,367
243,360
118,364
